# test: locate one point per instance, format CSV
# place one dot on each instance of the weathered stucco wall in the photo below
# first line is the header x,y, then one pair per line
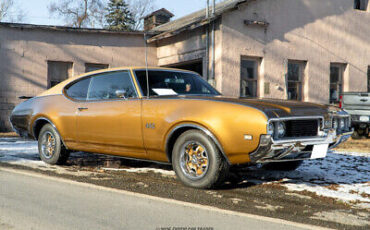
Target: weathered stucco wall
x,y
316,31
191,45
25,52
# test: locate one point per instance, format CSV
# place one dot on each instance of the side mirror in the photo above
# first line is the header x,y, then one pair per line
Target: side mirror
x,y
121,93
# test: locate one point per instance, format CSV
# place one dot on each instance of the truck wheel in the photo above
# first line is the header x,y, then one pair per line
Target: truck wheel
x,y
356,135
283,166
359,134
197,161
50,145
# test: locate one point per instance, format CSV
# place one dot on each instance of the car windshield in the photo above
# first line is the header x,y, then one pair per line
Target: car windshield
x,y
174,83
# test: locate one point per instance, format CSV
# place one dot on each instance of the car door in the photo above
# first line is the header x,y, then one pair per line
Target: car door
x,y
109,120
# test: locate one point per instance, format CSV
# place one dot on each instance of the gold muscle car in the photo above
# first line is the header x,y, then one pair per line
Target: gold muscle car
x,y
174,116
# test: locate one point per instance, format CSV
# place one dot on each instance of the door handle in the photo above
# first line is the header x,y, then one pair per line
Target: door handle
x,y
82,108
363,100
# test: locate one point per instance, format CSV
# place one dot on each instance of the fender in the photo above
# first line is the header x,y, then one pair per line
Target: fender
x,y
198,127
52,124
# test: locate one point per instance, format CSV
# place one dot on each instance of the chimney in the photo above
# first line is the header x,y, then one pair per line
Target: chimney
x,y
157,18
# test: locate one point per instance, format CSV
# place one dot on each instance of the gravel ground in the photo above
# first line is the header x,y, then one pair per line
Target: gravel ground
x,y
331,192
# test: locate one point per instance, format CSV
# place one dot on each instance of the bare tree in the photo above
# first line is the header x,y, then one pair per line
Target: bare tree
x,y
139,9
10,12
5,6
79,13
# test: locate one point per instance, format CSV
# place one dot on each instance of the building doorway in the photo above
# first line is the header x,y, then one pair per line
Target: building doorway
x,y
195,65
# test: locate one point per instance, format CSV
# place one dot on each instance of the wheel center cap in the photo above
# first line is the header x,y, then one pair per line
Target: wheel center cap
x,y
194,160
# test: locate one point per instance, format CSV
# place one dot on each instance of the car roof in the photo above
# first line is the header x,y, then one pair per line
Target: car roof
x,y
58,89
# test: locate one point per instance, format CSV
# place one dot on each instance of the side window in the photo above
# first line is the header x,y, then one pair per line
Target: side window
x,y
79,89
112,85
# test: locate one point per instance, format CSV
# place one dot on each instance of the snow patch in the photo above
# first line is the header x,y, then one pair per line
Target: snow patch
x,y
143,170
341,175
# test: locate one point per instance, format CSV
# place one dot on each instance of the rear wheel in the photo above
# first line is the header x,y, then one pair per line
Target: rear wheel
x,y
50,145
283,166
197,161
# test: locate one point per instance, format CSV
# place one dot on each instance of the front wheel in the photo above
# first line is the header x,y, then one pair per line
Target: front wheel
x,y
197,161
50,145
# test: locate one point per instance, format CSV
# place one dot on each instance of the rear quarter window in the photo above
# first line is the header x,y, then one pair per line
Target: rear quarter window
x,y
78,90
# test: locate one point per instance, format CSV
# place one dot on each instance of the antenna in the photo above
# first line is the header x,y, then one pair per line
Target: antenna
x,y
146,66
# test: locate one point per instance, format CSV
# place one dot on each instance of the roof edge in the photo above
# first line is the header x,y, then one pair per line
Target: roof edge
x,y
197,22
66,28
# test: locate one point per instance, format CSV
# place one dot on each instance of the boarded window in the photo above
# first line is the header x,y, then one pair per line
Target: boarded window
x,y
249,77
58,71
94,66
294,79
336,81
361,4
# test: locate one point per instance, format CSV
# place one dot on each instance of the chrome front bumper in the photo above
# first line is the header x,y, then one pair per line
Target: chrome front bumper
x,y
293,148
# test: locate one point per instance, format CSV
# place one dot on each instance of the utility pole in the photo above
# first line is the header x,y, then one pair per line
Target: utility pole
x,y
207,42
213,45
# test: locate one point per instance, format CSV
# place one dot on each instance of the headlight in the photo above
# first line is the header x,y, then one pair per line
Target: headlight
x,y
270,129
341,123
335,123
327,124
281,129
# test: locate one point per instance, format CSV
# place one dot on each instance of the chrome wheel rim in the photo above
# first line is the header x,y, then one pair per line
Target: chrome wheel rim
x,y
48,145
194,160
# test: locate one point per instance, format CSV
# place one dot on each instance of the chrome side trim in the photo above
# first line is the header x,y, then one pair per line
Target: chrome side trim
x,y
47,120
206,131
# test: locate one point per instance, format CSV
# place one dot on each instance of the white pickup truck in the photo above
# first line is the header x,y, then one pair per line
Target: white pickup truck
x,y
358,106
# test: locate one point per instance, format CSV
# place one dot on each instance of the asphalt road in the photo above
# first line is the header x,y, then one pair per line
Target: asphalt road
x,y
34,201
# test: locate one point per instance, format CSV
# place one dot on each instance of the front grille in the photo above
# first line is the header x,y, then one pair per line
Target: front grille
x,y
302,128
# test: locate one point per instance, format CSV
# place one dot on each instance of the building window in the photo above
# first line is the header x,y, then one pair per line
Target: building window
x,y
368,79
95,66
58,71
361,4
336,81
294,79
249,77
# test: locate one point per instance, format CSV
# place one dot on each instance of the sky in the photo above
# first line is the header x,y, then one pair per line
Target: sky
x,y
37,12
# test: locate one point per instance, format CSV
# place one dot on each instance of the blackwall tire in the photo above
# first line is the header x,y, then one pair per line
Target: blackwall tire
x,y
197,161
51,149
356,135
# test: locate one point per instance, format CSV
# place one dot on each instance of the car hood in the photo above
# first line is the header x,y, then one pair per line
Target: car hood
x,y
273,108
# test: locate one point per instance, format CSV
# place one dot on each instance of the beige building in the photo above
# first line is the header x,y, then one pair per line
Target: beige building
x,y
34,58
309,50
